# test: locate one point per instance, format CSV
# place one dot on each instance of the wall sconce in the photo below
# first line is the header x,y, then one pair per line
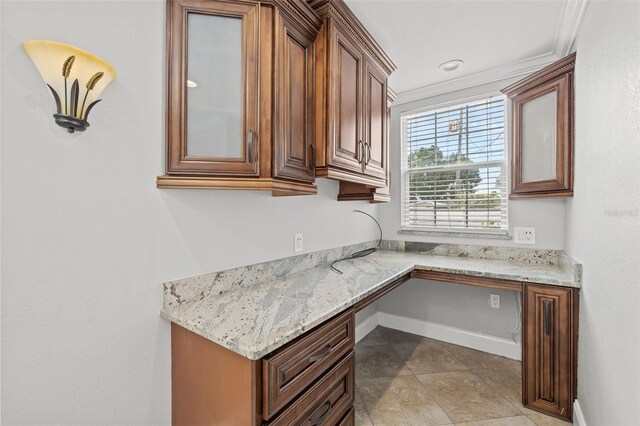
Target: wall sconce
x,y
75,77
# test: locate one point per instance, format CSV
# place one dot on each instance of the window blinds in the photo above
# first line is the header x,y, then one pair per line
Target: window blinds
x,y
454,168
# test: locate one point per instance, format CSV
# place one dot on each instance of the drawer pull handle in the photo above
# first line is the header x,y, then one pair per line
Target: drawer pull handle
x,y
362,152
317,421
547,318
320,356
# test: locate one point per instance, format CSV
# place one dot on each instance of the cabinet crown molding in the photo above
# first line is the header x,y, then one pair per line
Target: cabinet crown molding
x,y
337,9
548,73
301,12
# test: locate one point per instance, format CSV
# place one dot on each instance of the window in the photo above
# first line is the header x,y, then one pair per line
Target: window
x,y
454,169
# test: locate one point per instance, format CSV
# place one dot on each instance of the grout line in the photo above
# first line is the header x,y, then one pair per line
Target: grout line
x,y
433,398
366,410
429,394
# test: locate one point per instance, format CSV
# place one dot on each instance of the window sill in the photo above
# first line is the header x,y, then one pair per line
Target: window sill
x,y
496,235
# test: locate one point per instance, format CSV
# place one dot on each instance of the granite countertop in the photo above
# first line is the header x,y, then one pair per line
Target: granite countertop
x,y
256,309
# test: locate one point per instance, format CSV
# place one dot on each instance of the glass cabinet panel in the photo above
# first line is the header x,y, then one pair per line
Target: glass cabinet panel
x,y
538,138
212,114
214,87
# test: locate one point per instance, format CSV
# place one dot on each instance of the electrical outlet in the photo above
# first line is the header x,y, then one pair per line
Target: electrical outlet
x,y
297,243
522,235
494,301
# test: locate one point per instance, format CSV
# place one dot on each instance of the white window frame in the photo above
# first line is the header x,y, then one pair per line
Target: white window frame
x,y
501,233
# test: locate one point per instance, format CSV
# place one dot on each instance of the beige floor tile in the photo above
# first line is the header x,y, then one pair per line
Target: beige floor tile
x,y
544,420
508,383
465,397
373,338
397,336
505,421
398,401
428,356
361,415
379,361
476,360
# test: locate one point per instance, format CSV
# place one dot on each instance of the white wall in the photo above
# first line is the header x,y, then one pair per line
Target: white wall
x,y
453,305
603,218
87,239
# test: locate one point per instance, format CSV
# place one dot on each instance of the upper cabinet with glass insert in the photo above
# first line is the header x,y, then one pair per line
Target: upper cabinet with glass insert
x,y
240,95
541,111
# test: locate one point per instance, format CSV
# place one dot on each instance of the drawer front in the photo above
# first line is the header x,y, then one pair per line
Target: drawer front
x,y
291,369
326,402
349,419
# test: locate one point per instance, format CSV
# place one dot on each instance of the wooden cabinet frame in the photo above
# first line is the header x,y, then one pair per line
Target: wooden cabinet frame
x,y
549,349
278,148
294,53
556,78
353,191
178,159
345,157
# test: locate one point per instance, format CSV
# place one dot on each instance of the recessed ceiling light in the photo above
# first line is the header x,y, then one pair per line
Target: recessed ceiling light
x,y
452,65
191,84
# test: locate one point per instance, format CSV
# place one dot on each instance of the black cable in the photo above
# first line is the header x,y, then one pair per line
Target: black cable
x,y
361,253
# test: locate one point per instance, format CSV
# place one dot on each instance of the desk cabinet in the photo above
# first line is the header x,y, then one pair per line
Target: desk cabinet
x,y
549,345
310,380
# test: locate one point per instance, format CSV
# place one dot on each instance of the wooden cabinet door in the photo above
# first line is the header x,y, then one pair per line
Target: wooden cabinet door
x,y
346,147
375,121
213,88
541,114
549,349
294,146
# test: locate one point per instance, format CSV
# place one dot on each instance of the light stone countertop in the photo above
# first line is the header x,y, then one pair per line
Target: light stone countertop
x,y
256,309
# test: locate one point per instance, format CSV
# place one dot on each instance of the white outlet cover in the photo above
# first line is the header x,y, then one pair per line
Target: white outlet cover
x,y
494,301
298,243
524,235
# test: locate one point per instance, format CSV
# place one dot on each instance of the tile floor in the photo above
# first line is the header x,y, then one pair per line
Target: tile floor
x,y
405,379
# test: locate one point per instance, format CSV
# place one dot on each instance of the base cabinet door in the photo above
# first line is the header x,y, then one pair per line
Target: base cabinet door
x,y
549,349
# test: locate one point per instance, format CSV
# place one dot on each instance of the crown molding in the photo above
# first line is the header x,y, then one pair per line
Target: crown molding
x,y
504,72
570,18
572,14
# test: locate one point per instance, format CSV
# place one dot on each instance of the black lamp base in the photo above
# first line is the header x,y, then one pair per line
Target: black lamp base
x,y
70,123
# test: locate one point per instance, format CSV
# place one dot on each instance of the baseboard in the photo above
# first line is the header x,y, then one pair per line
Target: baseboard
x,y
366,326
457,336
578,416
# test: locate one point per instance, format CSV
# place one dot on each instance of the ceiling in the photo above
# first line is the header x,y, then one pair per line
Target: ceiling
x,y
495,39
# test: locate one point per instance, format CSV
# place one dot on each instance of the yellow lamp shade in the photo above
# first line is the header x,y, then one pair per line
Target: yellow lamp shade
x,y
75,77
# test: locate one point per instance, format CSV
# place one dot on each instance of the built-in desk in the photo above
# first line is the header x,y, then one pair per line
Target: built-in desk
x,y
229,329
